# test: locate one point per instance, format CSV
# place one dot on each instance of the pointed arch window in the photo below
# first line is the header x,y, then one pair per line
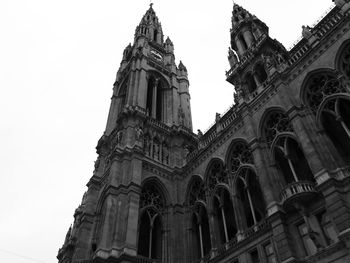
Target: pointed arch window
x,y
251,202
225,223
250,196
200,234
152,204
287,153
326,96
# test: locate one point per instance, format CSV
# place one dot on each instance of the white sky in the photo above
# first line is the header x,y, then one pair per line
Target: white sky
x,y
58,61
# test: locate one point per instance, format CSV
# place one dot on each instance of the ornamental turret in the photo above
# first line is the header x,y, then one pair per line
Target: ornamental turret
x,y
253,56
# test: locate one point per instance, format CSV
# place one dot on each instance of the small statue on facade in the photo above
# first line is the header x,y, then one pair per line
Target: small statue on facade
x,y
139,133
200,133
119,136
268,61
306,32
217,117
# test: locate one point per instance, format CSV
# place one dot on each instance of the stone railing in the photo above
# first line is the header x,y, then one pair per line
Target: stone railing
x,y
256,228
158,124
327,23
297,188
140,259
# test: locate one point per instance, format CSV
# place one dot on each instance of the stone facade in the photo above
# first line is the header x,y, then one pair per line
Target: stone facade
x,y
268,182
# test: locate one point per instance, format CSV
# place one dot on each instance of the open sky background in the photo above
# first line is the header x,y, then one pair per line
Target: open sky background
x,y
58,61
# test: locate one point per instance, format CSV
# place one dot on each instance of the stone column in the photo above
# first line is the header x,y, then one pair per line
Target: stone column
x,y
239,216
266,177
307,145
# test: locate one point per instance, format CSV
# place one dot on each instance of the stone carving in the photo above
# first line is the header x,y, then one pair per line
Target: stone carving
x,y
276,123
139,133
181,116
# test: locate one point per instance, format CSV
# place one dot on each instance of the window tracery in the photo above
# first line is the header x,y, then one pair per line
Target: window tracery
x,y
196,192
151,197
319,87
276,123
240,154
216,175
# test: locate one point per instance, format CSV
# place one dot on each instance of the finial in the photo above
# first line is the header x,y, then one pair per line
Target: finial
x,y
150,4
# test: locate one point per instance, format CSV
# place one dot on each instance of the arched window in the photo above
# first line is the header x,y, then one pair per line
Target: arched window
x,y
325,95
200,233
152,204
247,188
288,155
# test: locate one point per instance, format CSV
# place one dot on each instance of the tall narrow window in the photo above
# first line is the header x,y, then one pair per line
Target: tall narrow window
x,y
247,187
200,234
150,223
159,107
149,102
155,35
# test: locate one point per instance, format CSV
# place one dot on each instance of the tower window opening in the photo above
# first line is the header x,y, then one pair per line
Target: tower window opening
x,y
159,105
260,73
242,41
155,35
149,102
250,83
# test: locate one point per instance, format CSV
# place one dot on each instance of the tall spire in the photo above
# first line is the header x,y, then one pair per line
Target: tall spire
x,y
150,27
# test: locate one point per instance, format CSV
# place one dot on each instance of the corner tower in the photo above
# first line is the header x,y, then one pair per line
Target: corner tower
x,y
123,216
253,56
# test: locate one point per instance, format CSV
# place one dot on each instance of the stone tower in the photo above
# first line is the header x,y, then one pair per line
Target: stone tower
x,y
148,132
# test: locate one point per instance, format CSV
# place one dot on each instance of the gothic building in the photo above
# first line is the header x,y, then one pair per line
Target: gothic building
x,y
268,182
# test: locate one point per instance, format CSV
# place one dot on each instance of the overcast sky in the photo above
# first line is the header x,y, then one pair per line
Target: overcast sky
x,y
58,61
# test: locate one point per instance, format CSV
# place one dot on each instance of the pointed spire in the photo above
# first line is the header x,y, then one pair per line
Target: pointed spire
x,y
150,27
239,14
